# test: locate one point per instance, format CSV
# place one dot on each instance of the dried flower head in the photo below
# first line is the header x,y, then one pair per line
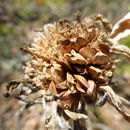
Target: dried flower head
x,y
71,61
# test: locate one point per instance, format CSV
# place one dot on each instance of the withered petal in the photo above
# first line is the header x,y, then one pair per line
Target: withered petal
x,y
75,58
88,52
100,58
79,88
66,100
82,80
52,88
62,85
104,48
91,89
96,73
70,78
91,83
80,69
80,42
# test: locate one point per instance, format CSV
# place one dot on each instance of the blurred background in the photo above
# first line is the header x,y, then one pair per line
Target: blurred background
x,y
18,18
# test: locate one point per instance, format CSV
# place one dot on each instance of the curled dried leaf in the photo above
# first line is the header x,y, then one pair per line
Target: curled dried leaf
x,y
116,101
121,29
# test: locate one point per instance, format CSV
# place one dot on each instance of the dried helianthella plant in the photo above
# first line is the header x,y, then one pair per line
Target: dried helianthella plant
x,y
72,62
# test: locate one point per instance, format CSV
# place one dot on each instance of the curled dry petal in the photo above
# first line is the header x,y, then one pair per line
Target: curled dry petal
x,y
80,69
57,70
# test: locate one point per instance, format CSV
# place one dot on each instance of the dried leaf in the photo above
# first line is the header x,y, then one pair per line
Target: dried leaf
x,y
75,116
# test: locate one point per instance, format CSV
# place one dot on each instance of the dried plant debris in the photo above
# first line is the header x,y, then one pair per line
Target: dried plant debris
x,y
72,64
